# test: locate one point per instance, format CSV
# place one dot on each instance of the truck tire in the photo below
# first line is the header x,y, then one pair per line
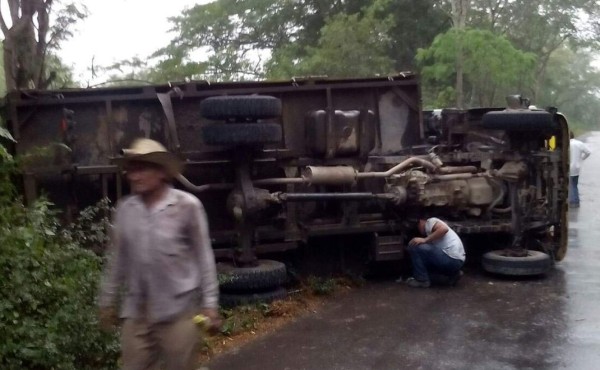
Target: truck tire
x,y
242,134
232,300
240,107
535,263
266,275
519,121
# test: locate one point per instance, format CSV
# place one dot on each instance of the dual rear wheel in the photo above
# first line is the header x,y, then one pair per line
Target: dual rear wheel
x,y
253,284
248,120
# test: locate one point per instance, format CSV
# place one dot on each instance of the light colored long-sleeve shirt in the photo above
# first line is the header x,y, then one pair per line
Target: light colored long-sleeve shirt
x,y
578,151
162,257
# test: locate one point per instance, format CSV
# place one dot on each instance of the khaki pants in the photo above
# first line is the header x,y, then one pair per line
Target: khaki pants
x,y
173,343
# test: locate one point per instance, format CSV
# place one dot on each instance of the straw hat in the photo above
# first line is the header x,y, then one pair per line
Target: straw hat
x,y
147,150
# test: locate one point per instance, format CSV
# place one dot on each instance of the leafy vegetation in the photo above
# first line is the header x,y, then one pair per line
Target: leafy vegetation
x,y
243,322
492,67
49,284
529,47
573,85
33,31
360,38
497,47
321,285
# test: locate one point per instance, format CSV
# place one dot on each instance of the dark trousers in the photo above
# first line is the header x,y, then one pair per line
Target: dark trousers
x,y
428,259
573,190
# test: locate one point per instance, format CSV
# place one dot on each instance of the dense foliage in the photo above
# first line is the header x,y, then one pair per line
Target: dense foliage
x,y
49,284
361,39
227,40
33,31
510,47
492,67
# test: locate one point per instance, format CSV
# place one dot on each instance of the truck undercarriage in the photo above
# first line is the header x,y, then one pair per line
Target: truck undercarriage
x,y
277,163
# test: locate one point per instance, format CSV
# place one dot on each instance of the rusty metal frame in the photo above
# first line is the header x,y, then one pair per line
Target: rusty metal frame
x,y
96,95
260,168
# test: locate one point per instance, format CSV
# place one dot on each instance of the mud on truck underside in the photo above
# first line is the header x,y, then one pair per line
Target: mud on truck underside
x,y
278,163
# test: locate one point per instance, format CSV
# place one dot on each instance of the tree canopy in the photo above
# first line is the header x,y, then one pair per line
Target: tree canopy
x,y
286,38
362,39
492,67
31,38
474,51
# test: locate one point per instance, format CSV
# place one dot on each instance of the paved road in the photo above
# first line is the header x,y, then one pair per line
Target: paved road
x,y
484,323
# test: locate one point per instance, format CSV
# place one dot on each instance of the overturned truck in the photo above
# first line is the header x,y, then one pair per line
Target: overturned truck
x,y
278,163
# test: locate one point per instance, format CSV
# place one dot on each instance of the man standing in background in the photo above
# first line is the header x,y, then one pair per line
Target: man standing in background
x,y
579,152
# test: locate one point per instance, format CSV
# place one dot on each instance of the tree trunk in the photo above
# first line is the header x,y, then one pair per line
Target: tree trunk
x,y
41,48
24,49
460,94
10,65
459,19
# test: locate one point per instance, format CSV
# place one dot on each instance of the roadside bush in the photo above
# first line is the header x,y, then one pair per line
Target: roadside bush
x,y
48,286
91,230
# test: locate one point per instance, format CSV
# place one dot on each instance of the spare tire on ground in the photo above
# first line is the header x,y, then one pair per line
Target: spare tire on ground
x,y
240,107
242,134
232,300
499,262
519,120
266,275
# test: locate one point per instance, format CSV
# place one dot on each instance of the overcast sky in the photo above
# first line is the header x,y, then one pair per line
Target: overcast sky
x,y
120,29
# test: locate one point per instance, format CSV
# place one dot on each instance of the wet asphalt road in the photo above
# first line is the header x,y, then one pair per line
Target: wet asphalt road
x,y
483,323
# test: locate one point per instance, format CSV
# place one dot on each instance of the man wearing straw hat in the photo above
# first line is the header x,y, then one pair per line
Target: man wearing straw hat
x,y
161,255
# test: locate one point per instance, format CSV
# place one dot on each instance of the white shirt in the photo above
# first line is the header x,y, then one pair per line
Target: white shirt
x,y
450,243
579,152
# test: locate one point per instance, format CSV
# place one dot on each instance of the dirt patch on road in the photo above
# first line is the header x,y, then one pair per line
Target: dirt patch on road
x,y
244,324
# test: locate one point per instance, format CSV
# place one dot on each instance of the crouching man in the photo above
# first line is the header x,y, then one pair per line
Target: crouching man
x,y
441,252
